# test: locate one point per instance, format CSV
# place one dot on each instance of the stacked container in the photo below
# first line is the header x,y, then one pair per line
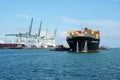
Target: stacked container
x,y
87,33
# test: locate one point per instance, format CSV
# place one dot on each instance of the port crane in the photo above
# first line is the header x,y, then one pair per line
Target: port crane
x,y
19,35
27,34
36,40
49,39
38,37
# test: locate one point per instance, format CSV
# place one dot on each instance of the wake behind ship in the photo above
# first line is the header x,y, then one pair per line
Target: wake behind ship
x,y
83,41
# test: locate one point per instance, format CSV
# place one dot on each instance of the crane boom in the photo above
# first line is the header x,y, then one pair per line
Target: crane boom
x,y
30,28
39,31
55,33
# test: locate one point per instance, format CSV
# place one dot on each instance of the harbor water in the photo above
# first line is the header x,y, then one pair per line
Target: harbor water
x,y
43,64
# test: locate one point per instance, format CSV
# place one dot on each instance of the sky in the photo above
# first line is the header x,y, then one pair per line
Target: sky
x,y
63,15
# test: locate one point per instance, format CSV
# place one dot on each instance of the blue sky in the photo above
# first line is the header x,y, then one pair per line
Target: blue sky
x,y
103,15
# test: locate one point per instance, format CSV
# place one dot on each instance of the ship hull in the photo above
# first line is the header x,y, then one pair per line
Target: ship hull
x,y
12,46
83,44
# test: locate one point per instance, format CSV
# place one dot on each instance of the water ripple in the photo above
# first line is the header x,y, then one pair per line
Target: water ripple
x,y
42,64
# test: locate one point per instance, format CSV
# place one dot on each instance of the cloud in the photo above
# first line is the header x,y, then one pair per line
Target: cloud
x,y
65,19
104,23
25,16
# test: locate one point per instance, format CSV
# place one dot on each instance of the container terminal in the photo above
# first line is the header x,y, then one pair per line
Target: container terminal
x,y
28,40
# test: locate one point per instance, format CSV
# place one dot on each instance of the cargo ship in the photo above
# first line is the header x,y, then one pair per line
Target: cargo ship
x,y
86,40
11,46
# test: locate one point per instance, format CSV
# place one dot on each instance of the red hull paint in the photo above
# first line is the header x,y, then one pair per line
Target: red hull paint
x,y
11,45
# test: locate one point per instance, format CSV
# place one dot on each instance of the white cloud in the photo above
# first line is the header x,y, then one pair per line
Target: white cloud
x,y
25,16
104,23
65,19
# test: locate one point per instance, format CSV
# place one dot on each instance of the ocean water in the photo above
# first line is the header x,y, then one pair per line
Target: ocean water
x,y
43,64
